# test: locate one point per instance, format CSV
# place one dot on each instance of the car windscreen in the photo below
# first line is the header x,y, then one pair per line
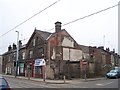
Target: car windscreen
x,y
113,71
3,83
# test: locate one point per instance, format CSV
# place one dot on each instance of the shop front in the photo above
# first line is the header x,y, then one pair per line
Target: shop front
x,y
22,69
39,68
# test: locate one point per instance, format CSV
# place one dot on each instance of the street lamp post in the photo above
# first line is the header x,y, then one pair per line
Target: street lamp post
x,y
17,54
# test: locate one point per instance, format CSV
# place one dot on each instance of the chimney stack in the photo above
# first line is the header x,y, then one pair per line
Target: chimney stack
x,y
107,49
14,46
57,26
9,48
101,47
20,43
113,50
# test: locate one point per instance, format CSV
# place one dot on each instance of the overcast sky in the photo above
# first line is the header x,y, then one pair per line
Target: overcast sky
x,y
97,30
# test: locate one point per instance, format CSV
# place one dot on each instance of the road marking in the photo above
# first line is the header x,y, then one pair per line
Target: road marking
x,y
39,85
104,84
99,84
84,87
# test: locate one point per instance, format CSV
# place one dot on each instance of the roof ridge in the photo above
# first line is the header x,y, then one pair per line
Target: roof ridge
x,y
43,31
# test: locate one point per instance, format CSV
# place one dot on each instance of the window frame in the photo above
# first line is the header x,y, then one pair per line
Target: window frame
x,y
30,53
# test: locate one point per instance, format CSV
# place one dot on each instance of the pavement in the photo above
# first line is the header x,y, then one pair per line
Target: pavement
x,y
49,81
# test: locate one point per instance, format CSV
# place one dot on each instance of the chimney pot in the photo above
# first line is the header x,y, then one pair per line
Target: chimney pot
x,y
58,26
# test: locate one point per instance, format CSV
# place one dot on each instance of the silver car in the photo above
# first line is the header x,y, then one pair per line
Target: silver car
x,y
113,74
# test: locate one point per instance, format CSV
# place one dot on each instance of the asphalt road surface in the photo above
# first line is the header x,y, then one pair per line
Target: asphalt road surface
x,y
22,83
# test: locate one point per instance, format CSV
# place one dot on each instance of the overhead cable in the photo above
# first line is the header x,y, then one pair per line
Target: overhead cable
x,y
89,15
30,17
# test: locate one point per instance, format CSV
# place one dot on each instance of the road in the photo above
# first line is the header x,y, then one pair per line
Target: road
x,y
22,83
109,83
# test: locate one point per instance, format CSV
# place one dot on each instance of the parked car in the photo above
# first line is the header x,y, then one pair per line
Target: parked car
x,y
113,74
4,84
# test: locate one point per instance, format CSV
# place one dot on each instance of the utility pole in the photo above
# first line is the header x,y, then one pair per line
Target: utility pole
x,y
69,65
44,67
119,28
104,40
16,70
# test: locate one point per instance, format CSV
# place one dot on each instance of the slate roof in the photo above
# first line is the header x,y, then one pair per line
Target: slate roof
x,y
84,48
44,34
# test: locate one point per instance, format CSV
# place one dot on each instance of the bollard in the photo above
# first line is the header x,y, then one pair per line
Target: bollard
x,y
85,77
29,71
64,78
29,75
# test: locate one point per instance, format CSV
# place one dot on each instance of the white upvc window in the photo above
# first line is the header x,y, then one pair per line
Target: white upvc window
x,y
33,42
31,53
23,55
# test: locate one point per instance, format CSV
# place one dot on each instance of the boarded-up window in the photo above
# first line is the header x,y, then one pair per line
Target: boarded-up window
x,y
65,53
75,55
72,54
67,41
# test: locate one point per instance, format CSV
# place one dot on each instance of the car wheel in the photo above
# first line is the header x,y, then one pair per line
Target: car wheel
x,y
116,77
107,77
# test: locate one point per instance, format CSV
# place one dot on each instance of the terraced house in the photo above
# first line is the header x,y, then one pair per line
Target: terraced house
x,y
9,60
54,55
103,60
0,64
